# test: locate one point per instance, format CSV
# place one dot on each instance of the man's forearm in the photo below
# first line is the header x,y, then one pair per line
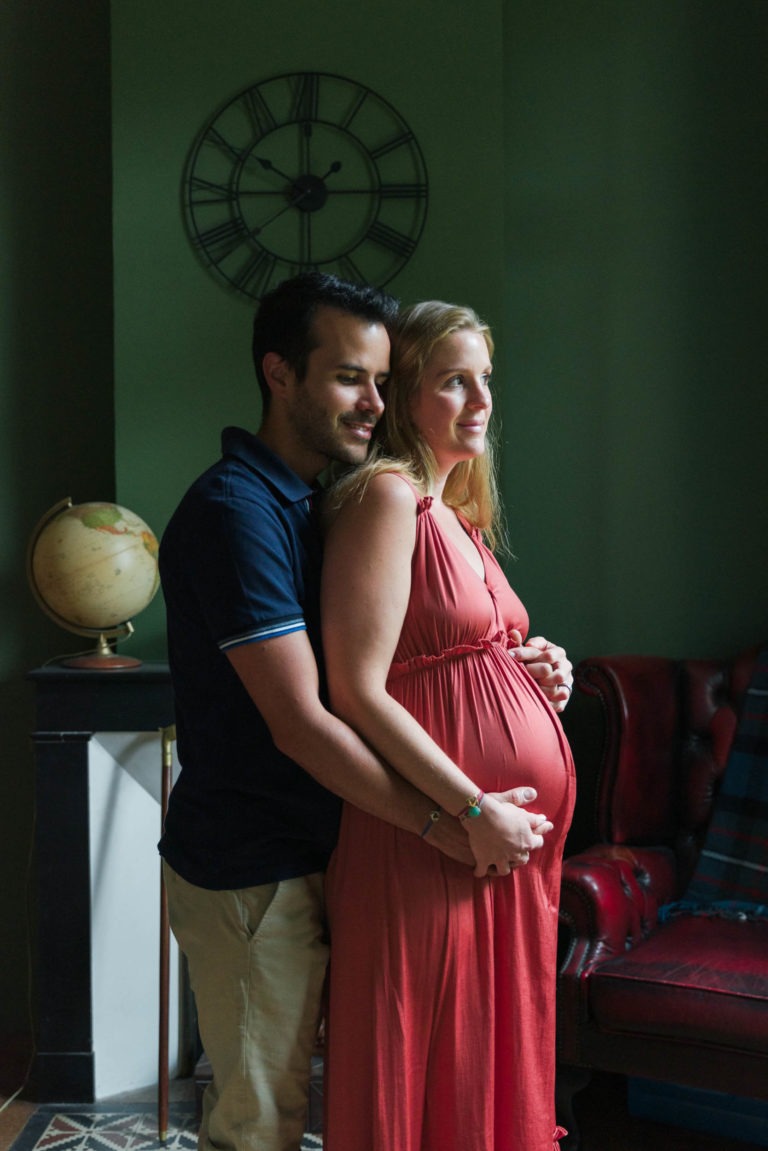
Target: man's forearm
x,y
342,762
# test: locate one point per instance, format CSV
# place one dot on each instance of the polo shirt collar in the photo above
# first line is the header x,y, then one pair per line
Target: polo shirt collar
x,y
255,454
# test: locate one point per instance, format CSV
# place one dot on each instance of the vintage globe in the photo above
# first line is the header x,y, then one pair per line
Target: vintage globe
x,y
92,568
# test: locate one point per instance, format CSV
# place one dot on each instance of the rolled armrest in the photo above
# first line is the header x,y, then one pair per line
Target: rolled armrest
x,y
610,896
609,901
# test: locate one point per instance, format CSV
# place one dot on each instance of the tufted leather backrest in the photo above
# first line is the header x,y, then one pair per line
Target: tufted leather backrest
x,y
668,727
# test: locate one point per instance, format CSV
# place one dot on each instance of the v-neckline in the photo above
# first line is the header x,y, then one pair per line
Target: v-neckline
x,y
482,576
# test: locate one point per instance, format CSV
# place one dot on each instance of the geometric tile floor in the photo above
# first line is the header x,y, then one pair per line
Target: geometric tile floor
x,y
90,1128
127,1127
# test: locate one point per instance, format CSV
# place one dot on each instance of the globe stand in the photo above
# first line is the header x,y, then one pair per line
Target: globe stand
x,y
102,658
112,547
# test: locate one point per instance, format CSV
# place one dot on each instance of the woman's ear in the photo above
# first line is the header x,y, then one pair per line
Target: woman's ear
x,y
278,373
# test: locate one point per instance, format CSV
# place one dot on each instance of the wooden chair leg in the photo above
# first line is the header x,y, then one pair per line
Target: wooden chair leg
x,y
569,1081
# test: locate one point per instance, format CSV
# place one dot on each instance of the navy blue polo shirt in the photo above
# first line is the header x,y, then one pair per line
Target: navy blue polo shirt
x,y
240,563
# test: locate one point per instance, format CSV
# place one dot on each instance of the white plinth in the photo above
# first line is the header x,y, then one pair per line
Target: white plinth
x,y
124,781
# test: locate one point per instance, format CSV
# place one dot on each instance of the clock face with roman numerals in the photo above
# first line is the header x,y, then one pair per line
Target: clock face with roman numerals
x,y
305,171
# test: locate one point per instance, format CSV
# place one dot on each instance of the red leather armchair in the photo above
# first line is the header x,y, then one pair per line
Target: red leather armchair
x,y
686,1000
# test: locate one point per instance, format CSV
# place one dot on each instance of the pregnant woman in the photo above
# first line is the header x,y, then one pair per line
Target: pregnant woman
x,y
441,1025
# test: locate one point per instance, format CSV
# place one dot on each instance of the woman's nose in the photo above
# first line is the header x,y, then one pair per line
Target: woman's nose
x,y
479,396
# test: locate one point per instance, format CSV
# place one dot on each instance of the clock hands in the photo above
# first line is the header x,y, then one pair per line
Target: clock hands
x,y
295,183
292,203
270,167
310,192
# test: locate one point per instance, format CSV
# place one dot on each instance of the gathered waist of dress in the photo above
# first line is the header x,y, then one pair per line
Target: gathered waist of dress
x,y
423,662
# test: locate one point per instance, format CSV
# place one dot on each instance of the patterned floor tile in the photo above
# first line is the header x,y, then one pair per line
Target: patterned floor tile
x,y
118,1130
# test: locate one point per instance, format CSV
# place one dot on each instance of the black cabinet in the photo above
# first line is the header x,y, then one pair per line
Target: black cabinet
x,y
73,705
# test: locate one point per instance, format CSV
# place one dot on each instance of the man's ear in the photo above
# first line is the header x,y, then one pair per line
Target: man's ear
x,y
278,373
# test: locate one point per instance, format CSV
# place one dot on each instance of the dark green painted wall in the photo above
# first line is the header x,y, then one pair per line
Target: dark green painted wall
x,y
182,344
598,190
636,311
57,429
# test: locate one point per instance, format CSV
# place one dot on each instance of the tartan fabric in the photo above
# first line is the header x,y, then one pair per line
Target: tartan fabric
x,y
731,875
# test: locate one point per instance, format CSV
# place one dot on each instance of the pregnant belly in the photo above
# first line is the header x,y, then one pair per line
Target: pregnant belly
x,y
486,712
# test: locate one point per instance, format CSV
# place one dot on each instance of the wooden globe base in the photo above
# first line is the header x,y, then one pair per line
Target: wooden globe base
x,y
103,658
98,662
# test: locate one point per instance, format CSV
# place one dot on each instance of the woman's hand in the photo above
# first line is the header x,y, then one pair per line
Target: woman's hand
x,y
503,836
449,835
549,666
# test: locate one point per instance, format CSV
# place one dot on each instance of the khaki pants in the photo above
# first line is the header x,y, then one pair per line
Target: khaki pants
x,y
257,960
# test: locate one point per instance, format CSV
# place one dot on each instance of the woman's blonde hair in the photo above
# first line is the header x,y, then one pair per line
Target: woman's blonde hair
x,y
397,443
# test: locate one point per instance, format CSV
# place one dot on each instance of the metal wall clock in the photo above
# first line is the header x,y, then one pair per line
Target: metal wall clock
x,y
305,170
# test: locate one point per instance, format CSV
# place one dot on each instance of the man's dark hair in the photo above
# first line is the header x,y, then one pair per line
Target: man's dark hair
x,y
283,322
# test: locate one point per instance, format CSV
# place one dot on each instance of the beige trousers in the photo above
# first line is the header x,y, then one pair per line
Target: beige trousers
x,y
257,960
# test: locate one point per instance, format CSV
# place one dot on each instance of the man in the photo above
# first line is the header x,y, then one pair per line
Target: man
x,y
253,817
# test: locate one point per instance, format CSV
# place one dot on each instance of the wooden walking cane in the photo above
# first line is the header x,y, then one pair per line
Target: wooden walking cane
x,y
168,735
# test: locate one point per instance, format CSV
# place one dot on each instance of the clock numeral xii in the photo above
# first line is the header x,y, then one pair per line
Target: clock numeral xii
x,y
305,105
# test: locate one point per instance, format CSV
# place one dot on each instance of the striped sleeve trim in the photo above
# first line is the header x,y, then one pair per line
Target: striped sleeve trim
x,y
267,631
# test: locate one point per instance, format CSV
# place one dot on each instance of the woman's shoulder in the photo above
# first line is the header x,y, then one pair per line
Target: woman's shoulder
x,y
394,484
386,500
381,480
388,494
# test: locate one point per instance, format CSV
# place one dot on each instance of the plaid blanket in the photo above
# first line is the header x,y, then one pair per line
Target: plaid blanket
x,y
731,876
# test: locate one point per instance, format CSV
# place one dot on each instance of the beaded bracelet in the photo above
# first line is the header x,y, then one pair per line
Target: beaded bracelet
x,y
433,818
471,809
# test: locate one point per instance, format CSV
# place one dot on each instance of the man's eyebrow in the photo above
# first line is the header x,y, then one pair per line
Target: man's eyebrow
x,y
361,370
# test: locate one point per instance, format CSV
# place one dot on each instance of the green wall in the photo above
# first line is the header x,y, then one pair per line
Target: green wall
x,y
56,380
597,190
182,344
598,179
636,308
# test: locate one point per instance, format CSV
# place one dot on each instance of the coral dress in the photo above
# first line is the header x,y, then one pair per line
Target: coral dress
x,y
441,1022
